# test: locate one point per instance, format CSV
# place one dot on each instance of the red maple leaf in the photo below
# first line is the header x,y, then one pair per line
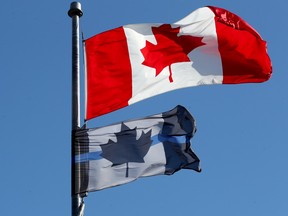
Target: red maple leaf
x,y
170,48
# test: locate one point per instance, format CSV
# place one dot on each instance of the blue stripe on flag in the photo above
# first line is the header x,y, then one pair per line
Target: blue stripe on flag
x,y
88,156
173,139
155,140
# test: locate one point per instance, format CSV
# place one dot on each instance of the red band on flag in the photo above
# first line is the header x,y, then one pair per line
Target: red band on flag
x,y
237,42
108,73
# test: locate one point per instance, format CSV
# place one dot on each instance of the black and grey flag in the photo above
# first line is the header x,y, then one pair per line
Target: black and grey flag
x,y
120,153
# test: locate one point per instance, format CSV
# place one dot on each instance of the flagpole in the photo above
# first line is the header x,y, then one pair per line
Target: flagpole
x,y
75,13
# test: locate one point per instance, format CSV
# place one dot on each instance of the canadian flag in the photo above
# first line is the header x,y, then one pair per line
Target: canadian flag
x,y
134,62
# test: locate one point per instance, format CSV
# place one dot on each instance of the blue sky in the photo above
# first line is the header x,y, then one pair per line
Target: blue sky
x,y
242,129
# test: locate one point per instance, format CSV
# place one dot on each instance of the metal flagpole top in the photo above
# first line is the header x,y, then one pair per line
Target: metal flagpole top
x,y
75,9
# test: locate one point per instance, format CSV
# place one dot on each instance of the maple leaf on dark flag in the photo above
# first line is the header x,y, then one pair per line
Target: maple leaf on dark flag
x,y
127,148
170,48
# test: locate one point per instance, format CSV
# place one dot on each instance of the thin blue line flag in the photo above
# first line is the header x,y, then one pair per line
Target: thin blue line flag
x,y
120,153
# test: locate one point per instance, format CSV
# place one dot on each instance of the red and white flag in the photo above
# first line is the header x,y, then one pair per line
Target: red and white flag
x,y
134,62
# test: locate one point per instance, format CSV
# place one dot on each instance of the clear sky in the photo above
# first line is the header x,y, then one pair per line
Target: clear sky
x,y
242,129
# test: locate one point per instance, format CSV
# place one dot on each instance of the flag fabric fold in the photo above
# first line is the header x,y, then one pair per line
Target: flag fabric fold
x,y
120,153
134,62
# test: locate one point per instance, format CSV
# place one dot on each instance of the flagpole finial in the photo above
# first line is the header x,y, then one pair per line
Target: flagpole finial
x,y
75,9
